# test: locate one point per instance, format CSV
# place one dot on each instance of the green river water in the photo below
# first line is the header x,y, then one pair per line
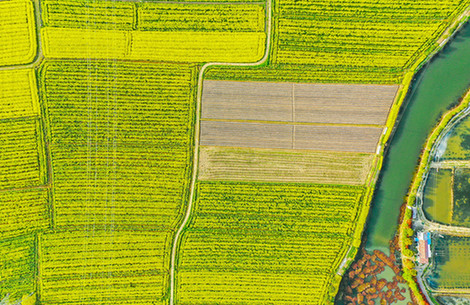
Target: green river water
x,y
434,90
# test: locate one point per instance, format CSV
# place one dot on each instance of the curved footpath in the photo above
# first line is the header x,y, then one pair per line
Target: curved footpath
x,y
187,215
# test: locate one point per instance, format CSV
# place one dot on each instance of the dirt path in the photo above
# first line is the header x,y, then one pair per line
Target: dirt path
x,y
196,144
447,230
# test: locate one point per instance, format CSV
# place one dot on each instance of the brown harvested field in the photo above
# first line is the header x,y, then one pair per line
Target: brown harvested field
x,y
295,102
246,134
337,138
309,137
345,104
247,101
277,165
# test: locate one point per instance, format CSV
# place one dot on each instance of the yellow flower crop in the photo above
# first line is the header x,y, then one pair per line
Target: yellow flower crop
x,y
154,46
254,243
18,94
17,32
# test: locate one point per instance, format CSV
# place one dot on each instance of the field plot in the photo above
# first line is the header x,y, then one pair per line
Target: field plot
x,y
120,139
198,46
337,138
311,137
24,212
461,191
110,15
84,43
17,272
154,16
154,31
297,102
154,46
21,154
232,100
348,41
450,268
236,134
93,267
345,104
17,32
458,143
18,97
254,243
201,17
438,201
248,164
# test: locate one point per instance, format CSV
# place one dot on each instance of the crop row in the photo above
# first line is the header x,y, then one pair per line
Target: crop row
x,y
291,207
20,158
97,267
265,242
333,73
153,46
235,164
18,97
232,287
17,32
89,14
373,11
390,23
360,41
114,15
17,270
120,141
309,41
23,212
201,17
275,252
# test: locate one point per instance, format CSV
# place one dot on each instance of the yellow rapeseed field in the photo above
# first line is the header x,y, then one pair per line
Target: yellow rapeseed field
x,y
154,46
82,43
17,32
198,46
18,94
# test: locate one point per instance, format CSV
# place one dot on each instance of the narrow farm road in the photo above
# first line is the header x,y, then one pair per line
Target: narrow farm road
x,y
196,143
446,229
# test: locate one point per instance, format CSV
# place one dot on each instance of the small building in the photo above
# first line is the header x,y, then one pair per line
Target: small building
x,y
424,248
428,240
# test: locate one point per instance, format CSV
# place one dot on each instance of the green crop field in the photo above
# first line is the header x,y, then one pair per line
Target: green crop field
x,y
154,16
120,140
154,31
88,14
273,243
18,96
106,267
19,160
24,211
201,17
17,273
348,41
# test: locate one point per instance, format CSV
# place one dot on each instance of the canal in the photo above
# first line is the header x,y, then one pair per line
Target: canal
x,y
435,89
